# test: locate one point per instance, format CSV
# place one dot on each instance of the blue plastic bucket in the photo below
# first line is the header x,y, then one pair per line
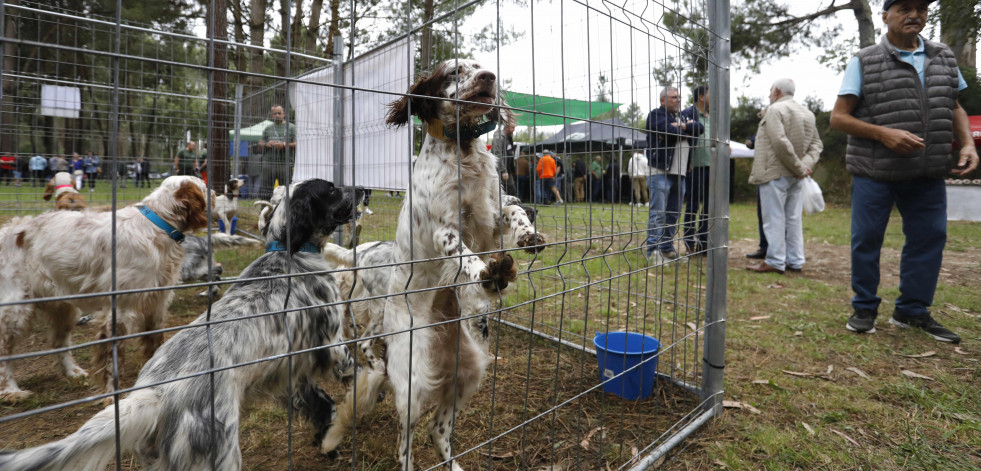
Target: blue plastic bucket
x,y
619,352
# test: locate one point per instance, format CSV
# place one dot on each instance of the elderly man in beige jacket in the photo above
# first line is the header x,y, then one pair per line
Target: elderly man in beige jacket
x,y
787,147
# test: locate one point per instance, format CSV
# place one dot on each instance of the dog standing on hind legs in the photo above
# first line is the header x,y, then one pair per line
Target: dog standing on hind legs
x,y
452,214
180,419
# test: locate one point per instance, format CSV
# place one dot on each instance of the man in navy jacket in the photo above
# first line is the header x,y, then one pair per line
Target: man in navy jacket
x,y
670,134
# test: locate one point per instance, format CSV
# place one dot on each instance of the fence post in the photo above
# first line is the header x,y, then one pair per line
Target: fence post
x,y
238,132
713,359
338,105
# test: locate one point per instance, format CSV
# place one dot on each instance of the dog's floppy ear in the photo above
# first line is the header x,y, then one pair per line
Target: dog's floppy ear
x,y
503,115
49,190
309,207
426,107
192,206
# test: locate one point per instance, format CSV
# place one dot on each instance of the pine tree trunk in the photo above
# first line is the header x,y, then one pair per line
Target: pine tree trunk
x,y
866,29
257,29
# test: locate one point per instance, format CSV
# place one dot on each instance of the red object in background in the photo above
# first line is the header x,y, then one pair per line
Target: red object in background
x,y
975,129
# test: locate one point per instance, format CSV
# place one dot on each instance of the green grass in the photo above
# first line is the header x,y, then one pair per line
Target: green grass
x,y
590,280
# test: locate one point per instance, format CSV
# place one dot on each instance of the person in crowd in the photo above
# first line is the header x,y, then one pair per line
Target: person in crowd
x,y
560,177
638,179
697,179
278,144
186,161
38,166
579,179
502,145
78,170
7,165
141,173
898,103
760,252
596,179
669,139
546,174
523,170
611,181
787,148
202,168
53,162
91,164
20,169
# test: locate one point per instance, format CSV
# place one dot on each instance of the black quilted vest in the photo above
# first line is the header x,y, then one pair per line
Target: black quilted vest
x,y
894,97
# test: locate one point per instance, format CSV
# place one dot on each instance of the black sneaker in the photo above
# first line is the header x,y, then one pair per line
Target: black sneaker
x,y
863,321
927,324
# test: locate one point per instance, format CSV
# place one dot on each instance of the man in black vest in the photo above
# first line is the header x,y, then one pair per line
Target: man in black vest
x,y
898,105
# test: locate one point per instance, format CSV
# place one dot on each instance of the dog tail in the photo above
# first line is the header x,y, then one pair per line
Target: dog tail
x,y
338,256
361,400
93,446
220,239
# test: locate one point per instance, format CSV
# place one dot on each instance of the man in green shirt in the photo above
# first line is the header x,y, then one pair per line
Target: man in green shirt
x,y
278,143
186,160
596,179
697,188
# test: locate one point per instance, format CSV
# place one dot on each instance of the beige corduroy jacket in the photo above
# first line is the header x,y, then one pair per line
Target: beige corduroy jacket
x,y
787,142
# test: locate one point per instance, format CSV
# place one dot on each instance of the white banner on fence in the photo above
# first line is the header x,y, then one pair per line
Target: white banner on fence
x,y
60,102
375,156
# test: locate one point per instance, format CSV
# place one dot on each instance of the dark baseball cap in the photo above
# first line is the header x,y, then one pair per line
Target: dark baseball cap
x,y
888,3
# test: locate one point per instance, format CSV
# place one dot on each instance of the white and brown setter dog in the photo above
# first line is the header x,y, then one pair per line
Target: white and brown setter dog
x,y
62,187
65,253
447,256
285,302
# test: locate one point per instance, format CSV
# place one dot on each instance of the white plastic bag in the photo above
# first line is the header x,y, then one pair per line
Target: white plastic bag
x,y
813,200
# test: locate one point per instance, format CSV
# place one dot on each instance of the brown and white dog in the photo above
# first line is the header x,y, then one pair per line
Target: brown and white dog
x,y
62,187
66,253
447,255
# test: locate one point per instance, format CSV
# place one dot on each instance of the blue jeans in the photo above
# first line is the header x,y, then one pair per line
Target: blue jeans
x,y
923,207
781,205
696,207
662,223
523,182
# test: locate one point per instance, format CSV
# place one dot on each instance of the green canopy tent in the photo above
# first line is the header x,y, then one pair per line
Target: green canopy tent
x,y
557,112
247,135
539,110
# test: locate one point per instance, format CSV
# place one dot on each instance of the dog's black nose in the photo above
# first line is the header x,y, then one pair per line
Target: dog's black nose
x,y
486,76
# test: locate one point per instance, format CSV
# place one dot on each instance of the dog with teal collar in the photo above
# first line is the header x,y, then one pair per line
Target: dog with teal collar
x,y
35,263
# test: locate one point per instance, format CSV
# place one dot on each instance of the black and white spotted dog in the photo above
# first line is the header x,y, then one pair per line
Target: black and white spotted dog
x,y
447,255
199,263
192,423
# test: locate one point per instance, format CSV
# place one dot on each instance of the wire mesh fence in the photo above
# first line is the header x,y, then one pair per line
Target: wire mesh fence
x,y
243,371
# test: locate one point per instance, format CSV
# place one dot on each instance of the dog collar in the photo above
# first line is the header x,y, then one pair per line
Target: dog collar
x,y
467,133
157,221
277,246
63,186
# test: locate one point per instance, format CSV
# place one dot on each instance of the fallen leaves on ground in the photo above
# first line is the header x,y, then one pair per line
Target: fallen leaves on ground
x,y
846,437
919,355
759,318
740,405
808,428
913,374
858,372
960,351
585,441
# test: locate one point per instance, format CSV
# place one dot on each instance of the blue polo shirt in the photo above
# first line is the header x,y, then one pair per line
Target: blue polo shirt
x,y
852,83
